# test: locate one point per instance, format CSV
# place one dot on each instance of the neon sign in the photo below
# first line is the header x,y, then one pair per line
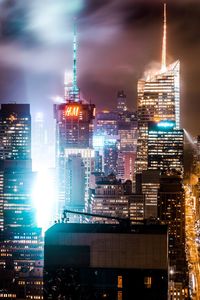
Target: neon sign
x,y
72,111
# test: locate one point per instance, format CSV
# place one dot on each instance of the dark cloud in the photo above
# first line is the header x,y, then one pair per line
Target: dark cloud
x,y
118,40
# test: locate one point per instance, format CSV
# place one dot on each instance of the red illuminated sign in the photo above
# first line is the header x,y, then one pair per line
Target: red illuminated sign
x,y
72,111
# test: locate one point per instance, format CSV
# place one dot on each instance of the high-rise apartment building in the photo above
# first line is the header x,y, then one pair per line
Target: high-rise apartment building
x,y
74,127
158,99
121,102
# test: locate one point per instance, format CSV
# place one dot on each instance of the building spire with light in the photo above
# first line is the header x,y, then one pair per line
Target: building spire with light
x,y
164,42
72,91
74,59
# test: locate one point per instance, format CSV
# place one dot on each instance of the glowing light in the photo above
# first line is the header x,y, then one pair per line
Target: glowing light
x,y
48,22
39,117
44,198
98,141
58,100
164,46
72,111
12,118
157,119
68,78
166,124
189,138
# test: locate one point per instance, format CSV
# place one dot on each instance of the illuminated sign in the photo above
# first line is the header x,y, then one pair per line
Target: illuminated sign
x,y
166,124
72,111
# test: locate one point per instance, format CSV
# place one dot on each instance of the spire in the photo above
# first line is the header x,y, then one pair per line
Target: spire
x,y
74,92
164,42
74,58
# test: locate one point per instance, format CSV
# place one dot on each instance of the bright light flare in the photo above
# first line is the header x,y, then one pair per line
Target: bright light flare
x,y
68,77
58,100
44,198
189,138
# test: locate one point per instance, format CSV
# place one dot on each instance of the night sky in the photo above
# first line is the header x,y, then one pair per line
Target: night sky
x,y
118,41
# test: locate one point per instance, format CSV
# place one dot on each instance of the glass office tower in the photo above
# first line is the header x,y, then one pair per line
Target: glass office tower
x,y
158,99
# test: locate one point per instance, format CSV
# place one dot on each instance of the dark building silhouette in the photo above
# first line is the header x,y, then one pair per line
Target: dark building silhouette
x,y
106,261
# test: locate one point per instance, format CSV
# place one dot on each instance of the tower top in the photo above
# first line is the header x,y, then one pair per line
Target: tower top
x,y
74,57
72,91
164,41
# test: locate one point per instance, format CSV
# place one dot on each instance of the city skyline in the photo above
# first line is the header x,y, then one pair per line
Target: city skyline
x,y
96,198
108,34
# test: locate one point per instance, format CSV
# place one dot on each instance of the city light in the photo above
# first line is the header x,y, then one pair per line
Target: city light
x,y
166,124
98,141
44,198
72,110
189,138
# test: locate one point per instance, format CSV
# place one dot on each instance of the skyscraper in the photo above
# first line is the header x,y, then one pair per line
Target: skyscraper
x,y
74,127
15,162
171,211
158,99
121,102
106,133
15,134
127,131
20,239
165,147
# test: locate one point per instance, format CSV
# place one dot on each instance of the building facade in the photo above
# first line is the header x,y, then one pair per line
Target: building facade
x,y
158,99
20,238
106,261
74,128
165,147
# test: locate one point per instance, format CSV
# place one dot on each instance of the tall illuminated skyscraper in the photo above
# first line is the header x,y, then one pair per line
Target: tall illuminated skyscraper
x,y
20,239
74,127
158,99
165,147
15,134
15,164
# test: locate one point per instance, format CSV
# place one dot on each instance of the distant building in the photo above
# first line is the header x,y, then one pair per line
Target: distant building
x,y
111,197
127,131
121,102
117,132
106,133
106,261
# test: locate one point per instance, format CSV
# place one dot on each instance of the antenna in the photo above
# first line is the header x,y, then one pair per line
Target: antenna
x,y
74,58
164,42
72,91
